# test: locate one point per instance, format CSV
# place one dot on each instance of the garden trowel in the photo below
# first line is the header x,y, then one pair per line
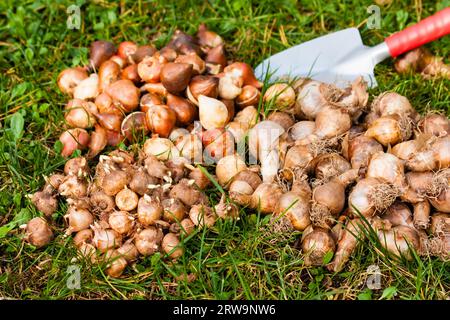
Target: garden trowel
x,y
341,57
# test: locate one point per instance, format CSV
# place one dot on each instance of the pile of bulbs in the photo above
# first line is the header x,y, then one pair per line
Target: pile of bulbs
x,y
128,207
322,160
345,168
135,90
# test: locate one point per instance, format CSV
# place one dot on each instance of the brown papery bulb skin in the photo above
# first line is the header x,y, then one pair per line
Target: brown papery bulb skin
x,y
121,222
332,122
125,93
116,264
148,241
330,165
298,156
105,104
435,124
140,181
73,139
126,200
361,149
45,202
249,96
387,167
398,214
186,193
266,197
392,103
442,201
68,79
280,95
83,236
53,182
244,71
108,73
316,245
296,208
387,130
346,244
131,73
441,152
171,246
330,195
184,110
114,182
202,215
98,141
440,224
405,150
161,120
101,202
302,130
142,52
126,49
148,100
184,228
217,56
282,118
174,210
149,69
154,167
128,251
73,187
399,240
228,167
161,148
77,167
176,76
38,232
105,239
79,219
149,210
134,126
198,64
200,179
100,51
79,113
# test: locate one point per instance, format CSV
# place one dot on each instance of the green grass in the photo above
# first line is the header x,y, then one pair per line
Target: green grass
x,y
234,260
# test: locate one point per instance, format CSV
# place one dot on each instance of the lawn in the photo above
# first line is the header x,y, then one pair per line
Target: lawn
x,y
233,260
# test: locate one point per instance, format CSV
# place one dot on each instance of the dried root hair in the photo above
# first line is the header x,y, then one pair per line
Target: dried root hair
x,y
320,215
439,183
383,195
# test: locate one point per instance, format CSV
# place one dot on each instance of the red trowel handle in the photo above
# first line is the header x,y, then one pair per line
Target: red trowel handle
x,y
425,31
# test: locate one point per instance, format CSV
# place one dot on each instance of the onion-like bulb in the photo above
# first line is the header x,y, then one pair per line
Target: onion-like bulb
x,y
105,239
98,141
405,150
161,148
115,263
279,96
69,79
422,214
149,210
73,187
202,215
316,245
399,240
174,210
190,147
391,103
248,116
87,88
128,251
387,167
243,185
73,139
266,197
299,157
228,167
148,240
140,181
302,129
213,113
38,232
361,149
79,219
295,207
310,99
171,246
121,222
442,201
45,202
83,236
435,124
126,200
346,244
390,130
330,165
186,192
114,181
76,166
371,195
332,122
398,214
80,114
440,224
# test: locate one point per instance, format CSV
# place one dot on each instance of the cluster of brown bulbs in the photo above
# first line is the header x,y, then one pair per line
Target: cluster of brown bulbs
x,y
346,167
128,207
133,90
325,161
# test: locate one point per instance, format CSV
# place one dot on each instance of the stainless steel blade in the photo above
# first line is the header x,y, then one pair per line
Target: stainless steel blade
x,y
338,58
